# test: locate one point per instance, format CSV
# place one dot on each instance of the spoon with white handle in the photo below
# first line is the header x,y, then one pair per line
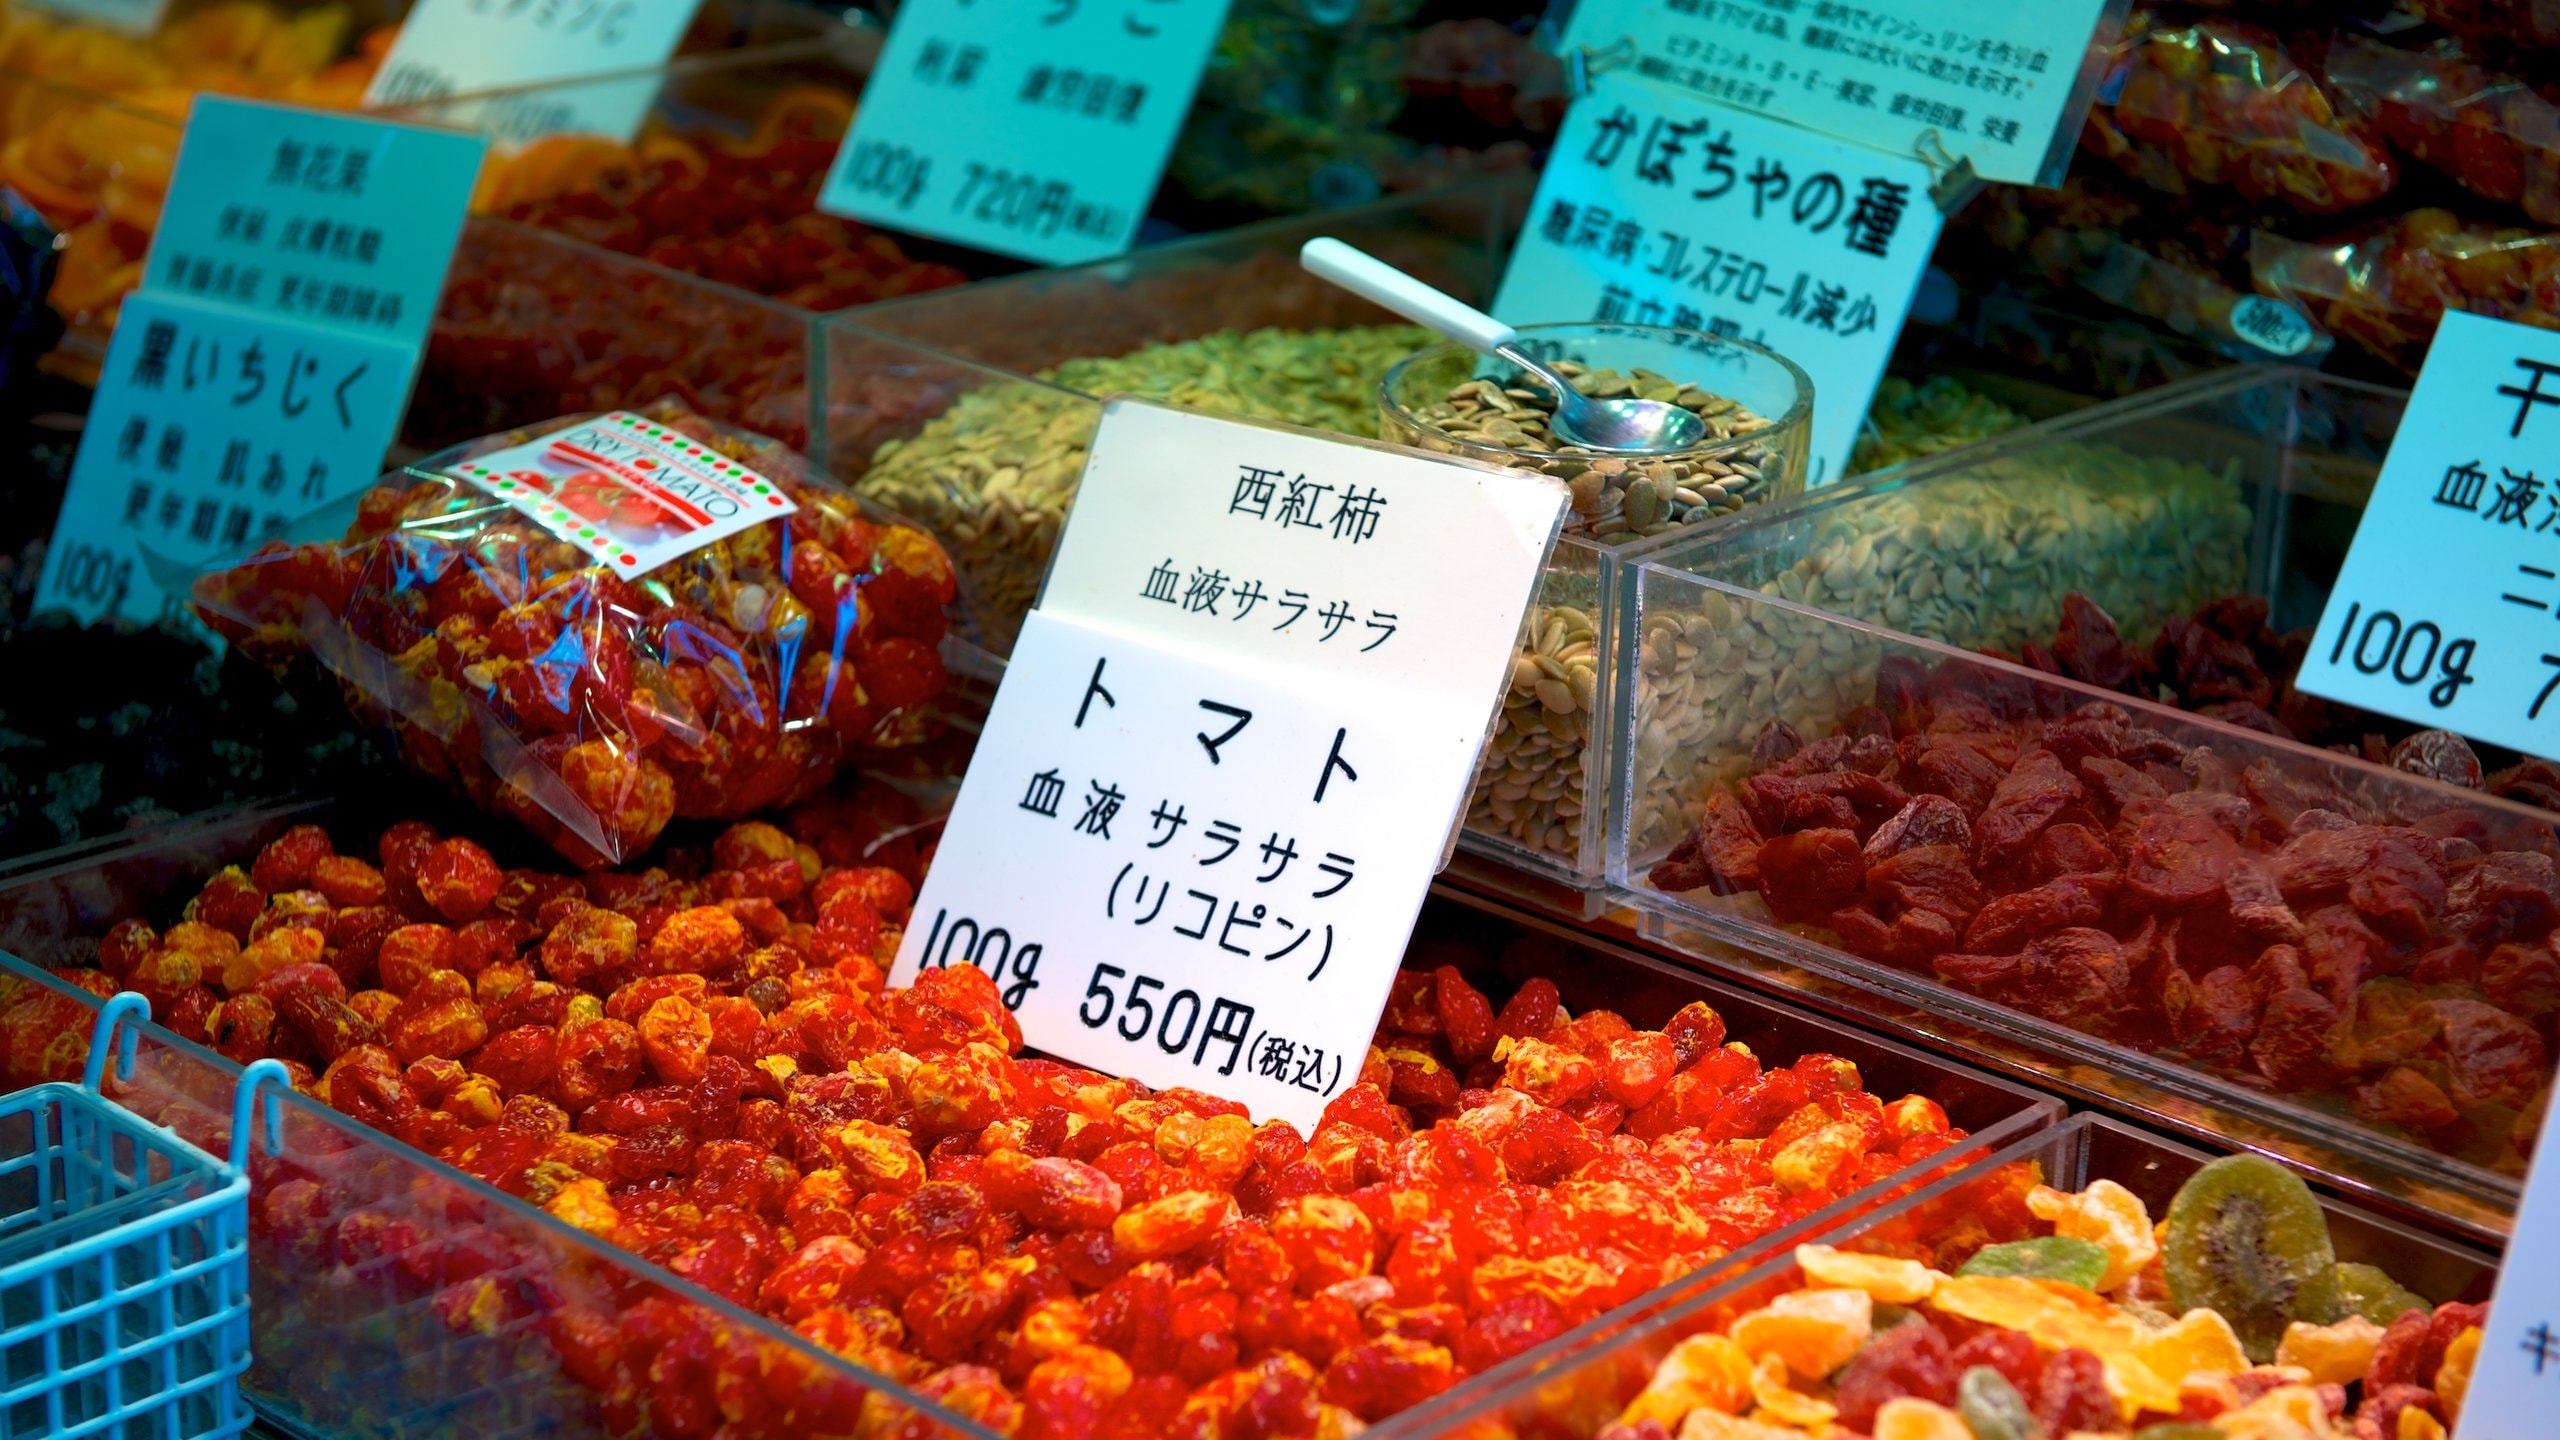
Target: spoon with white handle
x,y
1625,426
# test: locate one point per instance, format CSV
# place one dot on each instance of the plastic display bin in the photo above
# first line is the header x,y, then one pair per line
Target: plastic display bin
x,y
1722,666
124,1284
447,1310
1581,1389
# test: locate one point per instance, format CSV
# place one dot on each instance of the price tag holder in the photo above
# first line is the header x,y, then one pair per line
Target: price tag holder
x,y
2001,85
1659,210
336,221
212,428
1229,748
2447,611
449,48
262,368
126,17
1035,131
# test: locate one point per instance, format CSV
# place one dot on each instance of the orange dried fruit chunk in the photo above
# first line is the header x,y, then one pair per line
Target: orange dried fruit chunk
x,y
1904,1418
1702,1373
1783,1404
1893,1281
2453,1377
2201,1341
1708,1425
2334,1354
2107,1215
1814,1331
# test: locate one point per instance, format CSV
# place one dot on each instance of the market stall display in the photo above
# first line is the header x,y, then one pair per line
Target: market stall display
x,y
509,630
1012,1237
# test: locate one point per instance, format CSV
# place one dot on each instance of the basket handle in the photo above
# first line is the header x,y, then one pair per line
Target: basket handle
x,y
107,1032
261,1078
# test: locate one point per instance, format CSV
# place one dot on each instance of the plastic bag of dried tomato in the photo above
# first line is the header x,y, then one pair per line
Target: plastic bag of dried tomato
x,y
2224,105
2386,287
2490,133
604,623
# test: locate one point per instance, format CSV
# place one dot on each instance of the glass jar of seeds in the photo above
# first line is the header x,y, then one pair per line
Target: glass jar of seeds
x,y
1540,790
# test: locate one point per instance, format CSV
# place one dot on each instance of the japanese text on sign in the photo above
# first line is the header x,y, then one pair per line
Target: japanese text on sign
x,y
2517,1371
210,431
1040,135
1230,836
450,48
1659,211
1993,84
2447,611
343,222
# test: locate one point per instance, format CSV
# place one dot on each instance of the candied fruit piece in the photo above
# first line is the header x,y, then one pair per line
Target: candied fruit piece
x,y
703,940
458,878
2200,1341
1814,1331
2072,1395
1171,1224
2334,1354
1909,1419
675,1036
1326,1238
1884,1278
2060,1258
1907,1360
1991,1407
2453,1377
2107,1215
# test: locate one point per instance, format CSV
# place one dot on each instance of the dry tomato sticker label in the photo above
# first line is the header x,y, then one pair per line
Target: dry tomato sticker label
x,y
632,493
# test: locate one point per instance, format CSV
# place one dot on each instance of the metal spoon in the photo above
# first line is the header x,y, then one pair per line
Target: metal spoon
x,y
1620,427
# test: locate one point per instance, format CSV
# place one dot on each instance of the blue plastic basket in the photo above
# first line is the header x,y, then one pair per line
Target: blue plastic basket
x,y
124,1260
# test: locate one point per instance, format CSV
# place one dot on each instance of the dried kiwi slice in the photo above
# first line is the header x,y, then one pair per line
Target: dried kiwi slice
x,y
2052,1257
1992,1408
2365,1290
2246,1238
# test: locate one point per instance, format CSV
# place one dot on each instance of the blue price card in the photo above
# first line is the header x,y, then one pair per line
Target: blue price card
x,y
1658,210
2002,86
2447,611
129,17
211,429
1038,131
336,221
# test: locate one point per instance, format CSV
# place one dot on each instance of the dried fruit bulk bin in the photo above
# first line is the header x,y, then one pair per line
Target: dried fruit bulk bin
x,y
1400,1324
2167,912
1978,1257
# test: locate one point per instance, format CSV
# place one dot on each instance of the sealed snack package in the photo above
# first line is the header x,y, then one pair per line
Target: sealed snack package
x,y
2489,133
2223,105
610,621
2386,288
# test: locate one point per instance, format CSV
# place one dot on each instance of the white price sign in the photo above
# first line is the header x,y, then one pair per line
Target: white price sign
x,y
2516,1380
464,47
2001,85
1229,750
2447,611
1036,131
1658,210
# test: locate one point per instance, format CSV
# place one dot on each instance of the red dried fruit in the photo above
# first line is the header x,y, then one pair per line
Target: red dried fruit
x,y
458,878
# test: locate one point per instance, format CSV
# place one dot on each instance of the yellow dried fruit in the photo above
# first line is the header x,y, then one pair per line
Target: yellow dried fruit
x,y
2106,1215
2417,1424
2056,1316
2201,1341
1815,1161
1813,1331
2334,1354
1894,1282
1904,1418
1708,1425
2453,1377
1784,1405
2288,1412
1703,1372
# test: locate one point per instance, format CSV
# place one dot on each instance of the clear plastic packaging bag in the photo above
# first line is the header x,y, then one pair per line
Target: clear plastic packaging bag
x,y
610,621
2218,104
2387,286
2490,133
